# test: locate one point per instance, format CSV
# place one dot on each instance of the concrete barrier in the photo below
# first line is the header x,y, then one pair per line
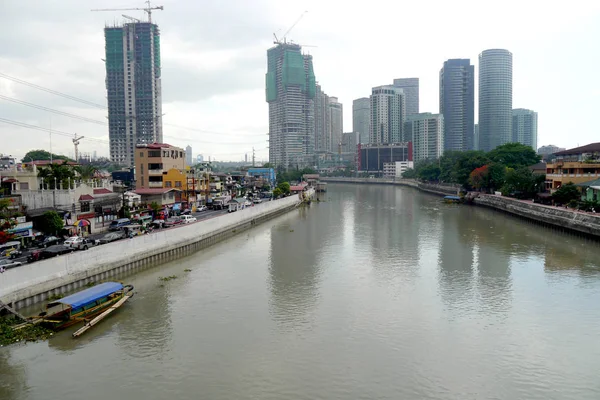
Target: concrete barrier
x,y
32,283
559,218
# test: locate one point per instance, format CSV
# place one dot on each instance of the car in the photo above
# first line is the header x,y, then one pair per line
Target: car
x,y
49,241
187,211
34,256
188,219
6,264
173,221
111,237
72,241
257,201
54,251
84,244
201,208
158,223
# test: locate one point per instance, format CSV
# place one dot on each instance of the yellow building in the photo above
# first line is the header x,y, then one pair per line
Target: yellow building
x,y
578,165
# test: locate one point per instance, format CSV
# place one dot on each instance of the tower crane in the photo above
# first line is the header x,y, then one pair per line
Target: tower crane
x,y
283,39
76,144
148,9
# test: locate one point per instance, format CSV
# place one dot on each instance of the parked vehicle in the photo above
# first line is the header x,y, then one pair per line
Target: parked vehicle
x,y
201,208
111,237
8,248
188,219
54,251
49,241
34,256
6,264
257,201
132,230
73,240
84,244
118,224
158,223
187,211
144,220
173,221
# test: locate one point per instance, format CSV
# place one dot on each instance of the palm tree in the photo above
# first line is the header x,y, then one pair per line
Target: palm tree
x,y
86,172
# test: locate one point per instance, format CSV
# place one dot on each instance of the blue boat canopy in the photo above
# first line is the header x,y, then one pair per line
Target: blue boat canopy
x,y
452,198
90,295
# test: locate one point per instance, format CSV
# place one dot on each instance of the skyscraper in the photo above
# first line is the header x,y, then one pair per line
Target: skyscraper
x,y
388,113
336,119
188,155
426,132
476,137
322,124
524,127
495,98
290,92
457,104
361,109
411,91
133,88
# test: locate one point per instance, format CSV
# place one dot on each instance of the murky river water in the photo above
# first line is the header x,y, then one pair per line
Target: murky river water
x,y
378,293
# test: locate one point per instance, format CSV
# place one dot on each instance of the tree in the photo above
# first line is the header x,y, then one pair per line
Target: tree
x,y
479,178
57,173
409,174
428,170
86,172
268,165
277,192
155,208
566,193
51,223
6,221
496,175
520,183
284,187
514,155
42,155
465,164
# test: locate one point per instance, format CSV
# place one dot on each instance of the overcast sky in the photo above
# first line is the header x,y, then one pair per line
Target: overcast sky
x,y
214,60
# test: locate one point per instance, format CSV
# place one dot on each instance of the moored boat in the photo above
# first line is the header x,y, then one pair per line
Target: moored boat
x,y
84,305
452,199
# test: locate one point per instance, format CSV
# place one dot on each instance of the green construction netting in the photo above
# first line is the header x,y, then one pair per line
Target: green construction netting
x,y
312,81
114,48
271,84
293,70
157,54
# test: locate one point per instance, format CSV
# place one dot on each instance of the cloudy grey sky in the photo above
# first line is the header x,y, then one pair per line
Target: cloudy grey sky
x,y
214,61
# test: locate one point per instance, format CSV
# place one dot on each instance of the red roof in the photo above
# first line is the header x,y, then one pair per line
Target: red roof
x,y
85,197
102,191
297,188
153,191
588,148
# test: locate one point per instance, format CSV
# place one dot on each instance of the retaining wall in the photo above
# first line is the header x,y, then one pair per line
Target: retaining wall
x,y
555,217
32,283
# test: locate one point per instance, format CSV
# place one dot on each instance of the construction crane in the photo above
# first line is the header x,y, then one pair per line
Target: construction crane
x,y
148,9
131,18
76,144
283,41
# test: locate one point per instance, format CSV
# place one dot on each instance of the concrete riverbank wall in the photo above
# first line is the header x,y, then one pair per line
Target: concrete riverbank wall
x,y
33,283
584,224
441,190
581,223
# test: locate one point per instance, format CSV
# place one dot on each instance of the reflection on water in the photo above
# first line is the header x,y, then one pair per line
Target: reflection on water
x,y
377,292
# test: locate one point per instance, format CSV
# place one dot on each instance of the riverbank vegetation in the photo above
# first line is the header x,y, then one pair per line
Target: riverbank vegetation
x,y
30,333
506,169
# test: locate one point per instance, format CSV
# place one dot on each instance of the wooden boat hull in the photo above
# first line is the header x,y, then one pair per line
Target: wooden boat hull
x,y
66,319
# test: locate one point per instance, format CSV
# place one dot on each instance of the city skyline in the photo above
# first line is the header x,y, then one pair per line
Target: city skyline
x,y
215,84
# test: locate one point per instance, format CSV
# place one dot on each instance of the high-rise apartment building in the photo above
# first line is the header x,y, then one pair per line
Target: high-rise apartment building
x,y
361,110
549,149
525,127
476,137
426,131
457,104
495,98
188,155
410,86
133,88
388,113
322,123
290,92
336,119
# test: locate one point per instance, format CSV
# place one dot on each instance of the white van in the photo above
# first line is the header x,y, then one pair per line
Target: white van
x,y
187,219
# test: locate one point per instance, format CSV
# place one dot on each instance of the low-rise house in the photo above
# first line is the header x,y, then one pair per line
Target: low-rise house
x,y
161,196
301,187
590,190
577,165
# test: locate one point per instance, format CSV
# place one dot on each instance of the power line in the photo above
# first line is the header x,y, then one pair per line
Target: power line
x,y
214,132
41,128
66,114
54,92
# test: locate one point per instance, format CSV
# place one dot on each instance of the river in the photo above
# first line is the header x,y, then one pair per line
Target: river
x,y
379,292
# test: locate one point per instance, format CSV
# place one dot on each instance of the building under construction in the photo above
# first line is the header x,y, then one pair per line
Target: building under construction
x,y
290,92
133,87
